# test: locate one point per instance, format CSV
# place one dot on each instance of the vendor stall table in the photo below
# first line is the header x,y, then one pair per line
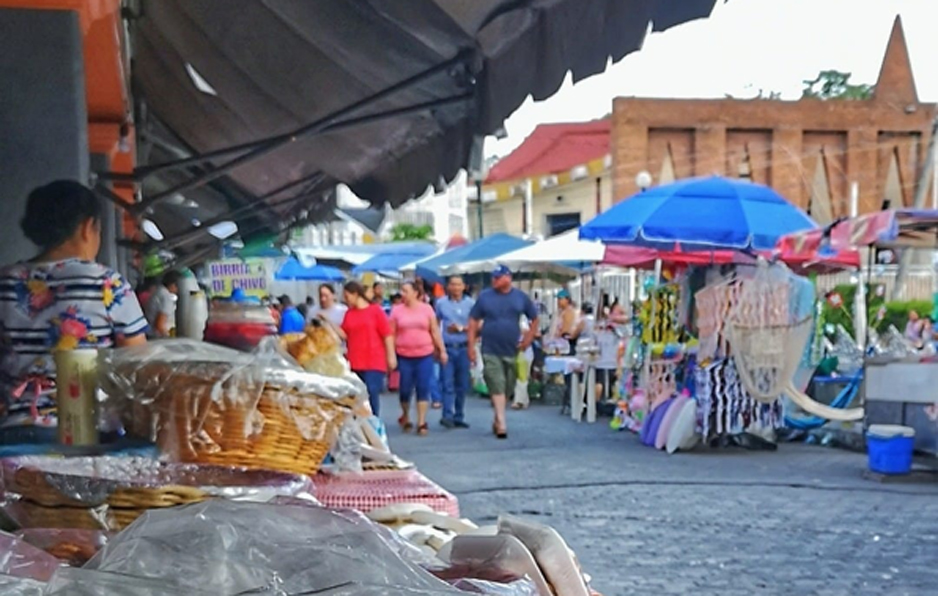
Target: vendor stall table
x,y
573,366
896,390
895,393
371,490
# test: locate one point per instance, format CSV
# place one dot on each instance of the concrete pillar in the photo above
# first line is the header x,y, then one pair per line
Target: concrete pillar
x,y
710,149
43,112
629,157
862,167
787,172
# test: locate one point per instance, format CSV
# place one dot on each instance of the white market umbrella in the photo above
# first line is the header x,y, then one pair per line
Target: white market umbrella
x,y
564,253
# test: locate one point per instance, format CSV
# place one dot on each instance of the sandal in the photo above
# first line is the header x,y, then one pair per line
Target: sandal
x,y
518,406
406,426
423,430
499,434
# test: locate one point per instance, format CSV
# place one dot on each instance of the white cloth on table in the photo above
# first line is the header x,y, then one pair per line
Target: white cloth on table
x,y
563,365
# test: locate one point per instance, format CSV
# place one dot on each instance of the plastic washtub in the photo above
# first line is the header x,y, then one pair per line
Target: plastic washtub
x,y
890,448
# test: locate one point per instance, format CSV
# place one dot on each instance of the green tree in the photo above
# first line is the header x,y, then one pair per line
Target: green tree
x,y
833,84
405,232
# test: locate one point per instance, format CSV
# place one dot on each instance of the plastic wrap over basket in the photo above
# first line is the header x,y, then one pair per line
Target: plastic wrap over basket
x,y
70,546
225,548
20,559
16,586
108,493
208,404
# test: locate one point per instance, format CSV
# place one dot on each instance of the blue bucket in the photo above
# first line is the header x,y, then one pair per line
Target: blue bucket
x,y
890,449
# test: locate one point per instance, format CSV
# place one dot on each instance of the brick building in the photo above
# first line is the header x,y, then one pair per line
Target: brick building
x,y
811,151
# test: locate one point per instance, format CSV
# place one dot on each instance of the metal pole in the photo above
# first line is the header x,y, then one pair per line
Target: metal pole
x,y
528,207
479,205
921,191
324,124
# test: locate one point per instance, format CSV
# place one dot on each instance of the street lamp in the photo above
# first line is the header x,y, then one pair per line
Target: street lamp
x,y
643,180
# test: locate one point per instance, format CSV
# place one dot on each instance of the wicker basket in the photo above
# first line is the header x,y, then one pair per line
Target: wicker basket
x,y
280,429
56,493
32,515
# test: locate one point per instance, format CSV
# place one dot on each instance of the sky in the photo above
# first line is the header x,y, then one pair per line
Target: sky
x,y
745,46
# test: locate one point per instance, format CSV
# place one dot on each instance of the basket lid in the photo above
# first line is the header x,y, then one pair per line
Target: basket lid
x,y
890,431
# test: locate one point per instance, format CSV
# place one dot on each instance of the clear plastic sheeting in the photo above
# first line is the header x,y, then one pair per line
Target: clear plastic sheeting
x,y
71,547
521,587
208,404
228,548
94,481
20,559
15,586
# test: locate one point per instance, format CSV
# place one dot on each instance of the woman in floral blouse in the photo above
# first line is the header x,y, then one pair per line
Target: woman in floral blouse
x,y
59,300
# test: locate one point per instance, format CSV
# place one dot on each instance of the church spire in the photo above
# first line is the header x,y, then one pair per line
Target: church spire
x,y
896,84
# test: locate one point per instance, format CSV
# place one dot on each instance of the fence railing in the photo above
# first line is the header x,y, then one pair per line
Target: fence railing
x,y
919,283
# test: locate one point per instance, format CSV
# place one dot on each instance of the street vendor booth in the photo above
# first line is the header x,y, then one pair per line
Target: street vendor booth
x,y
900,383
725,329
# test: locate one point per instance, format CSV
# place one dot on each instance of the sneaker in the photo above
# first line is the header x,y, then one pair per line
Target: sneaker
x,y
462,424
447,423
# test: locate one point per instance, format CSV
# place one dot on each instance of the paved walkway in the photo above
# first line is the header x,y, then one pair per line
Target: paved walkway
x,y
798,521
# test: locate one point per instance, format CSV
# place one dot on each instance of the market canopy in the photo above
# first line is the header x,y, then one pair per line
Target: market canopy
x,y
712,213
293,270
486,249
390,263
289,97
563,254
894,228
821,261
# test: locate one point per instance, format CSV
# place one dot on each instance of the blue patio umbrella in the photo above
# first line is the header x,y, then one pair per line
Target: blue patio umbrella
x,y
700,214
293,270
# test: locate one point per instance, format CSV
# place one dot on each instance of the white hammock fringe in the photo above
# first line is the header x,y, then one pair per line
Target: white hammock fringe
x,y
768,356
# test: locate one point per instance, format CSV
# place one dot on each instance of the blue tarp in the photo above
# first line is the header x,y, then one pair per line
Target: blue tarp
x,y
293,270
391,261
488,248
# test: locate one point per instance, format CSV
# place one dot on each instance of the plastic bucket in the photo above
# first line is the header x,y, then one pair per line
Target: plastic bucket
x,y
890,449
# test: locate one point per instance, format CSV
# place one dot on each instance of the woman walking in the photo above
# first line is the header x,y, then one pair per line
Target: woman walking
x,y
370,344
416,338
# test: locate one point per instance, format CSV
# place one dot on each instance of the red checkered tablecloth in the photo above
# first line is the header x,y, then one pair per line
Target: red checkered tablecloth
x,y
372,490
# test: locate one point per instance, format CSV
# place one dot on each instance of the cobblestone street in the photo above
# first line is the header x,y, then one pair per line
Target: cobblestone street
x,y
798,521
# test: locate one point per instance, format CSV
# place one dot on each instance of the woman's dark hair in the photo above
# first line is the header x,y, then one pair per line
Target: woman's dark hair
x,y
329,287
410,283
172,277
54,212
354,287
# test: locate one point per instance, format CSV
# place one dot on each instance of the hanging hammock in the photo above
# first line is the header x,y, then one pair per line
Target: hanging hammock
x,y
767,357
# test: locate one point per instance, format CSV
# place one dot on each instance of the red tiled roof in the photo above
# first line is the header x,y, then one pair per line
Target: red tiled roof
x,y
554,148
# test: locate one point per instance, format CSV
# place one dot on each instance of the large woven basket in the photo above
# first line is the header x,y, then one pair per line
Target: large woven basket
x,y
278,429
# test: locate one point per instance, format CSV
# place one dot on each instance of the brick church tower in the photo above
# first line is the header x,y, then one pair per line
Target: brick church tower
x,y
811,151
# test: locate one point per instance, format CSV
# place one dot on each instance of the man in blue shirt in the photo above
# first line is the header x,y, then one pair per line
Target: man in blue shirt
x,y
453,314
498,313
291,319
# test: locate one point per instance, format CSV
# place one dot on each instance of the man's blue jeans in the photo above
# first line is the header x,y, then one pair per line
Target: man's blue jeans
x,y
455,383
436,385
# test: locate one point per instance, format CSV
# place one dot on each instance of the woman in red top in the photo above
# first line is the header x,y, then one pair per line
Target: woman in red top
x,y
416,338
370,344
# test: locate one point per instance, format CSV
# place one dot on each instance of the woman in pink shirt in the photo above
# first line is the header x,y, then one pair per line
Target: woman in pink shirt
x,y
416,339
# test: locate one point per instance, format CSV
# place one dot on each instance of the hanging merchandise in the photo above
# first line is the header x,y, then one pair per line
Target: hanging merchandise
x,y
724,406
659,316
767,338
